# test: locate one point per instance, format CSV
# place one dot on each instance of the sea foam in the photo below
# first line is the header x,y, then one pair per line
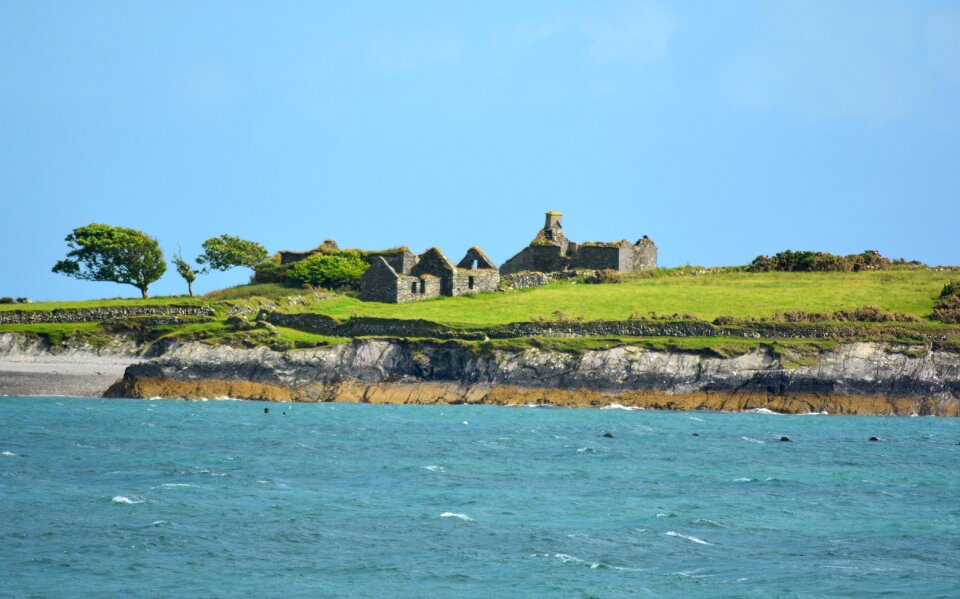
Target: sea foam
x,y
8,453
671,533
127,500
463,517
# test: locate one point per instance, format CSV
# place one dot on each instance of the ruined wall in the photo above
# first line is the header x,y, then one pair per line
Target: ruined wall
x,y
379,284
601,257
411,288
484,279
402,262
644,255
433,263
539,258
525,280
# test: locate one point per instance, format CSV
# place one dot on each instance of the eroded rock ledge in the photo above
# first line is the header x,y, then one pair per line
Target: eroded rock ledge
x,y
854,378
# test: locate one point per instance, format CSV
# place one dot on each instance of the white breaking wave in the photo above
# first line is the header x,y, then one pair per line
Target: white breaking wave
x,y
158,522
616,406
127,500
742,479
435,468
671,533
752,440
463,517
764,411
694,418
176,485
8,453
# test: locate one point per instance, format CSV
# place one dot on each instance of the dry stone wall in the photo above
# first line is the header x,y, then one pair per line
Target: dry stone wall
x,y
99,314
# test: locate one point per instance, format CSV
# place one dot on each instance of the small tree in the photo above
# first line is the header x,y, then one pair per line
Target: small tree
x,y
227,251
117,254
185,270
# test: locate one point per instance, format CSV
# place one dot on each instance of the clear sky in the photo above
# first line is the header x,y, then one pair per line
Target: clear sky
x,y
722,130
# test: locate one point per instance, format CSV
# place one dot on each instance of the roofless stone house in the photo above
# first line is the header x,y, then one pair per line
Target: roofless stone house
x,y
551,251
392,280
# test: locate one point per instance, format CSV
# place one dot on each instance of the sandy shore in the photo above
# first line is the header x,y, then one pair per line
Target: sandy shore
x,y
84,378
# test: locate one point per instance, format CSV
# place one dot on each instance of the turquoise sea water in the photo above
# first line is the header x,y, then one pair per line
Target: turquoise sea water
x,y
109,498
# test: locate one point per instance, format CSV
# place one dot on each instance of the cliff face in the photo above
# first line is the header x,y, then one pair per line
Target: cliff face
x,y
863,378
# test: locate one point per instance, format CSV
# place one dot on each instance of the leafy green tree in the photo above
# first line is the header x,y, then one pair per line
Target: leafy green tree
x,y
227,251
332,271
117,254
185,270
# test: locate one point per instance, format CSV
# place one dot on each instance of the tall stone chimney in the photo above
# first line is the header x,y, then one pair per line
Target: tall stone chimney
x,y
553,220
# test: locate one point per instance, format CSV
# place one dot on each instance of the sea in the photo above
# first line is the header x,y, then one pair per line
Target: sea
x,y
137,498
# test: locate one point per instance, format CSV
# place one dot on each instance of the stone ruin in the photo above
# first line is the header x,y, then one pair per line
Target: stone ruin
x,y
551,251
399,276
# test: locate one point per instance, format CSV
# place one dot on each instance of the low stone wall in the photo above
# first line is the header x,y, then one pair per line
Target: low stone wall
x,y
388,327
111,313
525,280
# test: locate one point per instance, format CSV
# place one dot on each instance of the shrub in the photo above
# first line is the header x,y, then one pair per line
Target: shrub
x,y
23,300
951,289
6,300
948,310
331,271
605,276
791,261
269,271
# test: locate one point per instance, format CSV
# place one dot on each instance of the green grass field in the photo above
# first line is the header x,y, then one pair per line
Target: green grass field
x,y
707,296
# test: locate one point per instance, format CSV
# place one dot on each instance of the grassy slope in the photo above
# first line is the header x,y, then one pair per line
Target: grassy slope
x,y
706,296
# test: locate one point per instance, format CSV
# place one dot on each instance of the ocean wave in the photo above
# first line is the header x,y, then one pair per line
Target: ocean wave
x,y
435,468
742,479
672,533
8,453
570,559
752,440
463,517
128,500
695,419
616,406
821,413
708,522
764,411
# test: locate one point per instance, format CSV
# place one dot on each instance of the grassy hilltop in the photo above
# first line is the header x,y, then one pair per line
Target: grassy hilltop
x,y
687,292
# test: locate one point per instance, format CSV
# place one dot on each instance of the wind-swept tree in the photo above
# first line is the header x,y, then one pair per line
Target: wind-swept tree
x,y
116,254
227,251
184,270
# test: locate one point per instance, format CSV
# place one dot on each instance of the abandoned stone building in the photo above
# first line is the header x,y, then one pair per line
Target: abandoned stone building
x,y
551,251
399,276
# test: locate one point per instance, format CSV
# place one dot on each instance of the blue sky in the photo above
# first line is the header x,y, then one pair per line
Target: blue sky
x,y
721,129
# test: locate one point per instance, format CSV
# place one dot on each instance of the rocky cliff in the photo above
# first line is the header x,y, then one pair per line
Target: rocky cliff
x,y
854,378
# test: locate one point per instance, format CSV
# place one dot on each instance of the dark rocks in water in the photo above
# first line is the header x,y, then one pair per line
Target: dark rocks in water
x,y
696,434
266,410
785,439
607,435
874,438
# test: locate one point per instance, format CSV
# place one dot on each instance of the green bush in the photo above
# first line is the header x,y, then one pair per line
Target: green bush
x,y
6,300
331,271
791,261
951,289
269,271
